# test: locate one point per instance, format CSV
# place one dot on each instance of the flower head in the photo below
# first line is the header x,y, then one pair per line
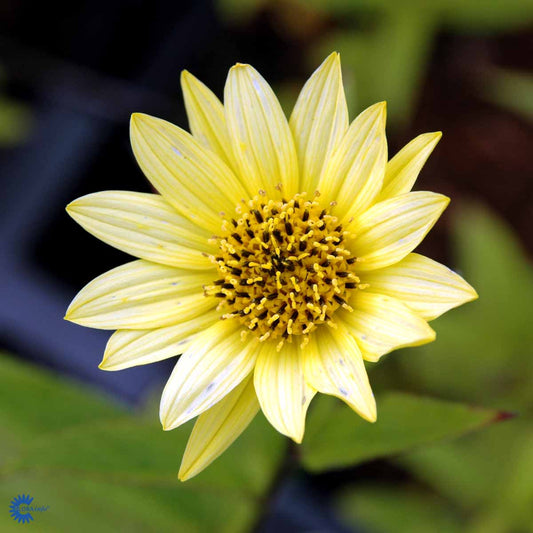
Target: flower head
x,y
276,259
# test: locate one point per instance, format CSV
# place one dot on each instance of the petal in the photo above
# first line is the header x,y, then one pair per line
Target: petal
x,y
217,428
319,120
391,229
334,365
206,117
425,286
281,389
381,324
214,364
262,141
403,169
141,295
127,348
143,225
354,174
194,180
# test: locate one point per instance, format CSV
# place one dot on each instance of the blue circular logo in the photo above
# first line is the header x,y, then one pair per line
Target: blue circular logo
x,y
19,508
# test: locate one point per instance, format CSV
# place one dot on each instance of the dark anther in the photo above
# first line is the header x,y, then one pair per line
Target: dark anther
x,y
218,282
274,211
294,315
272,296
263,315
350,285
308,299
243,282
309,315
351,260
261,283
237,237
282,308
278,235
220,295
342,274
338,228
236,256
254,326
232,301
285,334
242,294
338,299
219,258
258,216
227,286
266,236
325,263
234,222
328,281
305,216
274,324
246,253
296,204
236,271
251,234
323,240
257,299
288,228
302,246
322,213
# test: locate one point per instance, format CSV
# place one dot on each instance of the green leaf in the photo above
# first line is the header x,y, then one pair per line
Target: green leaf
x,y
337,437
104,469
35,402
400,509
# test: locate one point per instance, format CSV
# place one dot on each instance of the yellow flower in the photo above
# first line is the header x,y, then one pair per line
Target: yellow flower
x,y
277,257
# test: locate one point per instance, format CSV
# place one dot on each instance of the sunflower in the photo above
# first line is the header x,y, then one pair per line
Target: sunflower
x,y
276,258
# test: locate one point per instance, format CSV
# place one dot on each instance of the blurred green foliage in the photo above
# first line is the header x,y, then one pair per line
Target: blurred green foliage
x,y
386,45
100,468
481,482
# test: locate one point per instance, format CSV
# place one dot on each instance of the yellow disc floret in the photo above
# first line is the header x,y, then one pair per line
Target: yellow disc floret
x,y
283,267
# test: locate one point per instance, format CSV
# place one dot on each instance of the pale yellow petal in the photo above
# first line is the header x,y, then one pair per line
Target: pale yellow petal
x,y
141,295
213,365
333,364
319,120
218,427
194,180
389,230
281,389
354,174
381,324
127,348
145,226
206,117
425,286
262,142
403,169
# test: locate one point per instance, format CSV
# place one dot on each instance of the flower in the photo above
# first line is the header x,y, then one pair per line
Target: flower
x,y
277,257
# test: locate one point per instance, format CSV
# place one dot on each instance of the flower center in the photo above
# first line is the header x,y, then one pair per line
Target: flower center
x,y
283,267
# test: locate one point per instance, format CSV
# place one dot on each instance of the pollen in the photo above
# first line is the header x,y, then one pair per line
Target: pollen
x,y
283,267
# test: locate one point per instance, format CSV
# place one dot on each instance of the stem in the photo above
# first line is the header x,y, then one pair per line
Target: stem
x,y
286,467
